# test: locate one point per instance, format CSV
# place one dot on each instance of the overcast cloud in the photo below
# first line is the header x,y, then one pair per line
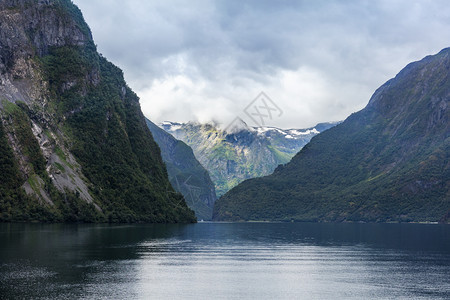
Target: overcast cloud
x,y
318,60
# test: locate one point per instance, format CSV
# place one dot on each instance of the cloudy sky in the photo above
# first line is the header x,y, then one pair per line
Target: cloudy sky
x,y
317,60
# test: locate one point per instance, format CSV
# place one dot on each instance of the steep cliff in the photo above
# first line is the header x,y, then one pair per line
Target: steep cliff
x,y
186,174
75,146
388,162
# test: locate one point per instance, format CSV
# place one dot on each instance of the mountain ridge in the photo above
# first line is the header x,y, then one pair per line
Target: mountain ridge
x,y
387,162
240,152
186,174
81,151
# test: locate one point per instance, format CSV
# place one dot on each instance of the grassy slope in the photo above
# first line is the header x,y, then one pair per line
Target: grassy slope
x,y
388,162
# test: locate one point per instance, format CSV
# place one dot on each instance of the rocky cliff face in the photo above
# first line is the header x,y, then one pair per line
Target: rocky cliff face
x,y
75,143
242,152
29,29
388,162
186,174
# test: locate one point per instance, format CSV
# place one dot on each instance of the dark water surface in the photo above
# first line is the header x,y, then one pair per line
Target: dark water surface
x,y
225,261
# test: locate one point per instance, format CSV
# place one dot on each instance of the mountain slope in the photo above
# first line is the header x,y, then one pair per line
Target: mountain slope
x,y
242,152
75,146
388,162
186,174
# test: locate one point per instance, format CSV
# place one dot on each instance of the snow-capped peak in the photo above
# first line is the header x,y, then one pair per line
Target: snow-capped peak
x,y
287,133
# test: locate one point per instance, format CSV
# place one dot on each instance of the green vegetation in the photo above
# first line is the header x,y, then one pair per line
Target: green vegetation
x,y
21,127
59,166
110,140
186,174
9,170
282,157
231,158
34,183
15,204
63,157
105,131
388,162
68,11
224,150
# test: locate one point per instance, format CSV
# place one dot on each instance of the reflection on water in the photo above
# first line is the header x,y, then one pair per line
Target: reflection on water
x,y
225,261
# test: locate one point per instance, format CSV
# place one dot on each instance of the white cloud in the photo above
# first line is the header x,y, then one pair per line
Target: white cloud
x,y
319,60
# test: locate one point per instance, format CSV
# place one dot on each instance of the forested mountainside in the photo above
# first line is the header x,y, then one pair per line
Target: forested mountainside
x,y
74,145
186,174
242,152
387,162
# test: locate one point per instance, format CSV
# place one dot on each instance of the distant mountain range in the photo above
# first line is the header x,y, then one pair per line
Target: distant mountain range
x,y
186,174
241,152
387,162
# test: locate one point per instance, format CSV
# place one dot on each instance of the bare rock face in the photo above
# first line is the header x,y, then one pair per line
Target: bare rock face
x,y
28,31
45,25
81,149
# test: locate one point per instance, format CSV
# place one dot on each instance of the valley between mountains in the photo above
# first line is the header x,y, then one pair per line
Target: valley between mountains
x,y
76,147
